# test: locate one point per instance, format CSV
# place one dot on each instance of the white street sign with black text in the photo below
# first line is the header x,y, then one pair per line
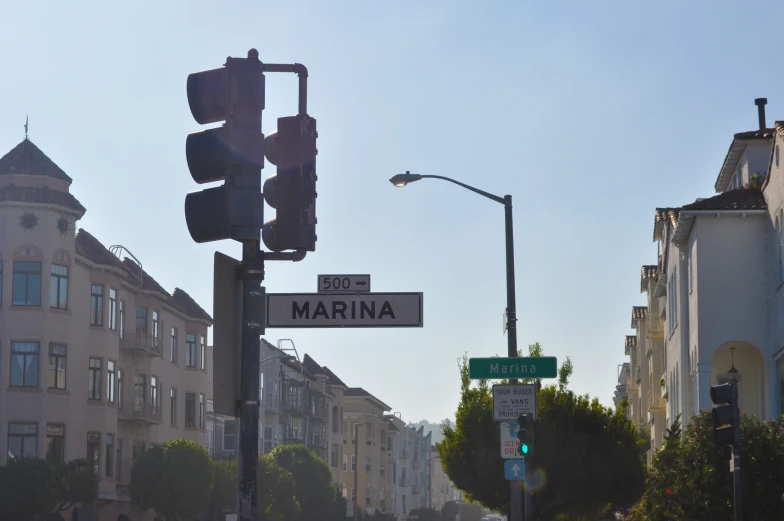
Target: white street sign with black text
x,y
294,310
512,400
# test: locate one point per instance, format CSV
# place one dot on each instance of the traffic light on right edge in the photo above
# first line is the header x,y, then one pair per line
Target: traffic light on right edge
x,y
525,433
292,191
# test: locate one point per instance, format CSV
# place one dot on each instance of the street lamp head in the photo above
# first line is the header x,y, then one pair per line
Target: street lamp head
x,y
401,180
288,358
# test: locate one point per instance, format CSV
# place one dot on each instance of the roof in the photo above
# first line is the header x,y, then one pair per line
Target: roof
x,y
41,195
638,313
360,392
738,199
664,215
631,343
27,159
648,272
738,145
332,378
89,247
312,366
185,303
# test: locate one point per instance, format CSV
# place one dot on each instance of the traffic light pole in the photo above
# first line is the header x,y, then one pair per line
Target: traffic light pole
x,y
736,482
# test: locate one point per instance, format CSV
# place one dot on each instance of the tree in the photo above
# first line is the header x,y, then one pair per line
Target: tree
x,y
32,488
690,478
276,502
312,476
425,514
175,479
588,458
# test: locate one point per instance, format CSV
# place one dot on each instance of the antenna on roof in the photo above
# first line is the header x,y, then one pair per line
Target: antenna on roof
x,y
760,103
26,121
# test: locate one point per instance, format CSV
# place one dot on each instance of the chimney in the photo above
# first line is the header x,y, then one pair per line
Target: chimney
x,y
760,103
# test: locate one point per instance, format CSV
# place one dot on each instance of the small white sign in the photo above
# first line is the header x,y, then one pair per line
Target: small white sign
x,y
509,441
512,400
343,284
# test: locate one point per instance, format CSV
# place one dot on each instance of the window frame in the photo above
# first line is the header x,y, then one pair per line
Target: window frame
x,y
121,324
190,410
54,440
26,276
109,459
94,457
96,305
174,342
202,353
25,354
55,360
202,411
56,282
190,350
22,437
173,406
120,385
112,309
111,381
94,380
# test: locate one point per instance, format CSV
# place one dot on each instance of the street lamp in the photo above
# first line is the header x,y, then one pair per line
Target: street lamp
x,y
401,180
356,462
283,358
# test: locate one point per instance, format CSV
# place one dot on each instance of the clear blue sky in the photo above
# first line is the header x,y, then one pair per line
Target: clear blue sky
x,y
590,114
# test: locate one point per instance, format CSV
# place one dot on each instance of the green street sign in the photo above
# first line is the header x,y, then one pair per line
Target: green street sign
x,y
501,368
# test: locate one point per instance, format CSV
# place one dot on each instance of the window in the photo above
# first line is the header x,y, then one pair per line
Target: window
x,y
173,406
353,463
56,373
334,455
154,392
261,386
24,364
174,345
94,379
27,284
94,451
119,473
122,318
394,472
55,443
96,305
139,396
138,448
672,300
368,463
229,435
120,392
141,319
367,495
202,353
58,287
109,455
369,430
190,350
155,331
113,309
110,381
345,461
335,424
190,409
201,411
22,440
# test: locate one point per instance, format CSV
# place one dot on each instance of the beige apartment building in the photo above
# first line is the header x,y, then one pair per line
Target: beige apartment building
x,y
97,360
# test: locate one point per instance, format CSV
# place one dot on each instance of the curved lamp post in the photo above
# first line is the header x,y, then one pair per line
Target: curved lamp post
x,y
401,180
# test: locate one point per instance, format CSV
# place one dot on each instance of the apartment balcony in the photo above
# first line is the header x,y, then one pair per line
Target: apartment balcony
x,y
655,401
141,342
144,413
294,438
319,441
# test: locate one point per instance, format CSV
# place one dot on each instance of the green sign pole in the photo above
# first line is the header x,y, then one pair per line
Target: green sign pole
x,y
503,368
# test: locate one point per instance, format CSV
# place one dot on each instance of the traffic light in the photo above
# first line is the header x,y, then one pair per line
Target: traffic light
x,y
233,153
525,433
726,415
292,191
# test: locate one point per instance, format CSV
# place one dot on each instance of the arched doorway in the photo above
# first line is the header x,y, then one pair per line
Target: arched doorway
x,y
749,364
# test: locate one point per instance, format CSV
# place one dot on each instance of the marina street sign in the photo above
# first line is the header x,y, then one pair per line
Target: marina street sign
x,y
512,400
294,310
502,368
343,284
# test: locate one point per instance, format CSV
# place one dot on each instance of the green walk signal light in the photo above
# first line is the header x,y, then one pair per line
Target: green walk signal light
x,y
525,433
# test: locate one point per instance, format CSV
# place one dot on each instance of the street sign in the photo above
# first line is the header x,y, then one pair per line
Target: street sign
x,y
500,368
509,441
343,284
514,470
512,400
295,310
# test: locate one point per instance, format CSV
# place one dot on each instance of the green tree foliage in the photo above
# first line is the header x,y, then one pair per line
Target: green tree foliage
x,y
174,479
425,514
312,476
276,502
588,458
690,478
31,488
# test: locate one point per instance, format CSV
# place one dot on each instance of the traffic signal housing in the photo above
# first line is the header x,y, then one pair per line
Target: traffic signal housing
x,y
726,415
525,433
292,190
233,153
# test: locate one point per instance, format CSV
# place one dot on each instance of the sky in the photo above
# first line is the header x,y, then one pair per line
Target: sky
x,y
590,114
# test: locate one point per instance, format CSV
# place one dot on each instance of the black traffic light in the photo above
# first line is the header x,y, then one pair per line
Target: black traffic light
x,y
292,191
233,153
525,433
726,414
